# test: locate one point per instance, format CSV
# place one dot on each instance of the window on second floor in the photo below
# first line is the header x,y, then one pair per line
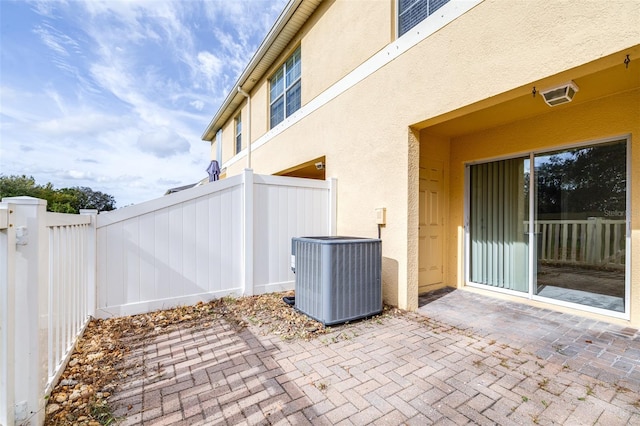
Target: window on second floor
x,y
412,12
285,95
238,133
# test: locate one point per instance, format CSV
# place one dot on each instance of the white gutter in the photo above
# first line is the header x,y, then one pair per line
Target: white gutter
x,y
248,121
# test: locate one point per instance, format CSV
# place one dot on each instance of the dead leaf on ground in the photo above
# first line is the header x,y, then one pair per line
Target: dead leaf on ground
x,y
105,355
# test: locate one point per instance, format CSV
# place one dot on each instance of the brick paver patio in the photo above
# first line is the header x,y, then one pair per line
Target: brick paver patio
x,y
466,359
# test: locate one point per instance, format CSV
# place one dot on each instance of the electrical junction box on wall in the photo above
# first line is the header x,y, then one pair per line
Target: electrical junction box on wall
x,y
381,216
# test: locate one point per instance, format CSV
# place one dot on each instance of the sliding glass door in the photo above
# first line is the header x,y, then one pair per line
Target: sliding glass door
x,y
574,251
580,220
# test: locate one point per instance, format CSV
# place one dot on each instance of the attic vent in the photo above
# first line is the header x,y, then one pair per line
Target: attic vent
x,y
560,94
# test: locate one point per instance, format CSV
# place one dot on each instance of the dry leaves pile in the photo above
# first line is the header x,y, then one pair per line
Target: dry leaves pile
x,y
98,363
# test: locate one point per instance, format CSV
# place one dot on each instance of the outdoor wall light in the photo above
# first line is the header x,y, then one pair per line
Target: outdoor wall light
x,y
559,94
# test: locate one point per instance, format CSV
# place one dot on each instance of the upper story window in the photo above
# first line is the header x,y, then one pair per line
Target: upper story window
x,y
412,12
285,89
238,133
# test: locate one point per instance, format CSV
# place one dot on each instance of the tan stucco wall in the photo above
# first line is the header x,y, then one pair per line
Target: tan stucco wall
x,y
364,132
335,40
612,116
365,162
229,135
341,36
260,109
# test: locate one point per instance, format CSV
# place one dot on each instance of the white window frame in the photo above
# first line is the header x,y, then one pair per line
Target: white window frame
x,y
237,125
409,29
286,88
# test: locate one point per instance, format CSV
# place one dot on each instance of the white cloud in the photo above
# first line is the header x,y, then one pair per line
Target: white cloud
x,y
47,7
80,124
54,40
210,65
162,143
57,99
63,49
197,104
113,92
78,175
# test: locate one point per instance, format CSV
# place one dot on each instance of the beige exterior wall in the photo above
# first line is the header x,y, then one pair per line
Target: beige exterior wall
x,y
341,36
229,135
260,107
371,132
337,38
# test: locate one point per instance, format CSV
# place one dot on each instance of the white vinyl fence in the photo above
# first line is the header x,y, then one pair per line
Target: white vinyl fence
x,y
594,242
57,270
227,237
46,299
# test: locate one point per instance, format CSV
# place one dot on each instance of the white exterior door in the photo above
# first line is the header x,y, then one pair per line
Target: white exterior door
x,y
431,223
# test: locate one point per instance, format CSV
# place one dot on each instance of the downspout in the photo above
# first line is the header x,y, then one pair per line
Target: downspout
x,y
219,147
246,95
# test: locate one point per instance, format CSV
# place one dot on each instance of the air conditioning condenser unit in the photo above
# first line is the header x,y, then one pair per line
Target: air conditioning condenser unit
x,y
338,279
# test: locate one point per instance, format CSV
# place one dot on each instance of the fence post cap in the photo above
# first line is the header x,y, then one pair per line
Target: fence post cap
x,y
25,200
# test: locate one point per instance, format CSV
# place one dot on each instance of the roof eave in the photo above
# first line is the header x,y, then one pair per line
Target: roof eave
x,y
245,81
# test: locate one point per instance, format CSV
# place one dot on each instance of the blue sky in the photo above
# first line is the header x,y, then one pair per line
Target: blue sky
x,y
115,94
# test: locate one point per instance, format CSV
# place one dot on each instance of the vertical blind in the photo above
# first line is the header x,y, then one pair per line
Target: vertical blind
x,y
499,244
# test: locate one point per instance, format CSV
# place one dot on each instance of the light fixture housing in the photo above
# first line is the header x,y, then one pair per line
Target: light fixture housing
x,y
559,95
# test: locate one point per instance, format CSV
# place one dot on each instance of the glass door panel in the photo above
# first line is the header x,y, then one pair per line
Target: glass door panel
x,y
580,225
498,221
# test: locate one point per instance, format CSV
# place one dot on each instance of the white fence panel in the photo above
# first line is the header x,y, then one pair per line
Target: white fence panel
x,y
46,280
70,261
172,251
231,236
196,244
7,315
592,242
285,207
